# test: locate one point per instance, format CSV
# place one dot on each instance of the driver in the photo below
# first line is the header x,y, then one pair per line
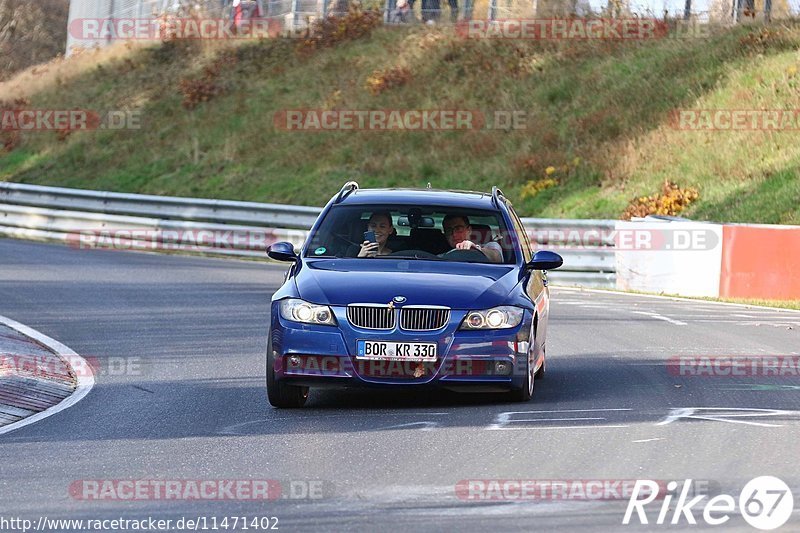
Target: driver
x,y
457,229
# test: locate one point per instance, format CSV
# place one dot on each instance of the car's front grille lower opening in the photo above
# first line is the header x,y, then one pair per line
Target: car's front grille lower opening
x,y
423,318
371,317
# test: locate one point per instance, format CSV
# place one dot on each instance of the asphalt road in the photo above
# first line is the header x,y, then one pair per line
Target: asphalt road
x,y
180,396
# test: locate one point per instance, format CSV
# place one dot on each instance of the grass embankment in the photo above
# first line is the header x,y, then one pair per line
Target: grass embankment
x,y
598,120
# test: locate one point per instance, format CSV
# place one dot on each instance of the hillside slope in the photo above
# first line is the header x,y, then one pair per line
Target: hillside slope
x,y
599,130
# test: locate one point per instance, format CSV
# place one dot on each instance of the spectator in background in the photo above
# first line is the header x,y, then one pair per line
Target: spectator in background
x,y
453,10
431,9
338,8
401,14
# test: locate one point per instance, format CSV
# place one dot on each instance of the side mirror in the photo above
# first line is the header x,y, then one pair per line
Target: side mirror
x,y
282,251
545,260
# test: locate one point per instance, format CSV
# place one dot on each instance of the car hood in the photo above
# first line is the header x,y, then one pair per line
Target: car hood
x,y
456,285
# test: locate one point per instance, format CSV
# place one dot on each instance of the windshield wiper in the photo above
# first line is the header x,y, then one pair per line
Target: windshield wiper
x,y
407,257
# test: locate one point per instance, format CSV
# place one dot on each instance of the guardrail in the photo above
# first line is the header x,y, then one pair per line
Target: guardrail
x,y
84,218
167,207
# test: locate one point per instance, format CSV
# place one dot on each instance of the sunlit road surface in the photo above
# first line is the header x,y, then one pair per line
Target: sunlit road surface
x,y
180,343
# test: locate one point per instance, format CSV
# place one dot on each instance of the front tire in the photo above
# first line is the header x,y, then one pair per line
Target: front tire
x,y
524,393
542,369
279,393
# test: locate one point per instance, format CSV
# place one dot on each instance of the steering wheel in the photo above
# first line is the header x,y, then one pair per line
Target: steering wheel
x,y
471,255
413,253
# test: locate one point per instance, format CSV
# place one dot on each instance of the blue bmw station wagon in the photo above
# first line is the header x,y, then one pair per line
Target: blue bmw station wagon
x,y
410,288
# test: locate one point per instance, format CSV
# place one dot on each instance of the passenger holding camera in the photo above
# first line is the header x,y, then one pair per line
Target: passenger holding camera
x,y
380,225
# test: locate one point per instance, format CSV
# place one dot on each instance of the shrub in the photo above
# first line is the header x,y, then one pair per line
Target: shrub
x,y
671,201
202,89
532,188
10,139
383,80
355,24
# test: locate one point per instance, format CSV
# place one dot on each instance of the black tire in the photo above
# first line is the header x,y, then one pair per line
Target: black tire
x,y
525,393
282,394
541,372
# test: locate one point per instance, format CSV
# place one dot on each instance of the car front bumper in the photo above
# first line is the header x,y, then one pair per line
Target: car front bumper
x,y
325,356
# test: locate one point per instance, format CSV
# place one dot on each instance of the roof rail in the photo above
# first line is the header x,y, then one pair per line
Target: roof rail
x,y
348,187
497,194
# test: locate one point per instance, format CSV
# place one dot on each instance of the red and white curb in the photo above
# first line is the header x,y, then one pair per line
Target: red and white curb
x,y
85,379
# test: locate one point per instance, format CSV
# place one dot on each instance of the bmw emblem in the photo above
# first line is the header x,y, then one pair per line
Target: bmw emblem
x,y
399,299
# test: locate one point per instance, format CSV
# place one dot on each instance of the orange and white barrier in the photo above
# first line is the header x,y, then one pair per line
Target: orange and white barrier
x,y
703,259
760,261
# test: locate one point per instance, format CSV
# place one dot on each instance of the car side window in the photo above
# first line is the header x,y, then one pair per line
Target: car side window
x,y
525,244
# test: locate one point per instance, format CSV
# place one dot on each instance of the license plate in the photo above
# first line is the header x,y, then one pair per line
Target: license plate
x,y
404,351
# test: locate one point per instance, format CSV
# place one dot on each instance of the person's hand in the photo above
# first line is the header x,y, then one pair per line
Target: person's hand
x,y
368,249
466,245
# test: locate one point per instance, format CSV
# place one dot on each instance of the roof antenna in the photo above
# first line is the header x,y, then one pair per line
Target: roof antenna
x,y
429,185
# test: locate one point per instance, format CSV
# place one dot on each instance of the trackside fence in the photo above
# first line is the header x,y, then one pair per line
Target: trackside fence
x,y
87,219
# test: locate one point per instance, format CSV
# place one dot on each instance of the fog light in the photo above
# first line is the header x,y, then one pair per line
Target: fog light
x,y
294,361
502,367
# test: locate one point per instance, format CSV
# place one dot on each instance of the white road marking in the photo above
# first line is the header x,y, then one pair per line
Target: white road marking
x,y
233,429
504,419
717,316
763,387
764,322
707,413
557,419
571,410
661,317
427,425
584,304
648,440
700,303
85,378
542,428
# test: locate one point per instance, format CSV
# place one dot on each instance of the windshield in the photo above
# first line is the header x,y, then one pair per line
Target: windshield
x,y
413,232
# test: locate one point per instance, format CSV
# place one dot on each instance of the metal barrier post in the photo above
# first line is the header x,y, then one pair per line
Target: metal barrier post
x,y
294,15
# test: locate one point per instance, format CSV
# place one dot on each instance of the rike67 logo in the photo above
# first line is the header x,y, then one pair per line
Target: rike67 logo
x,y
765,503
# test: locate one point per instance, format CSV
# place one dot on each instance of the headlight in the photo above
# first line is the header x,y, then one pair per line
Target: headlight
x,y
300,311
502,317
